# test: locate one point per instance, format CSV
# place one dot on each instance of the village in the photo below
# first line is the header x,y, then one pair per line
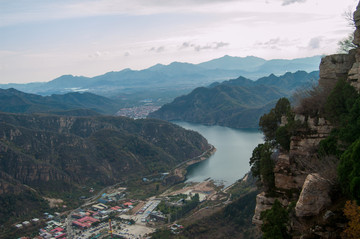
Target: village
x,y
113,214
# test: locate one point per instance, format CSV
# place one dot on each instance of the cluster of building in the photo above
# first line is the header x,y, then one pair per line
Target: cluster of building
x,y
55,227
137,112
85,222
111,197
57,232
85,218
94,218
27,223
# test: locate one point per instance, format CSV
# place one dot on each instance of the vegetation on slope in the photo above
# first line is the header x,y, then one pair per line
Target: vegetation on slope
x,y
342,107
235,103
58,156
81,104
343,110
233,221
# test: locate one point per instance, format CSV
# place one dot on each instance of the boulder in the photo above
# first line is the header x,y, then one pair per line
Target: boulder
x,y
314,196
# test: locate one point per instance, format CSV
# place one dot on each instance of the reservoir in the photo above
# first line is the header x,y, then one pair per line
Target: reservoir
x,y
231,160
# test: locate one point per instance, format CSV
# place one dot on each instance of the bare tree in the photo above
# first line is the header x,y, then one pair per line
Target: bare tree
x,y
349,17
346,44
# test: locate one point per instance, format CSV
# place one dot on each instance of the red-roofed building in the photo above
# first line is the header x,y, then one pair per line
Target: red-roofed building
x,y
115,208
85,222
91,212
79,224
58,229
62,236
128,204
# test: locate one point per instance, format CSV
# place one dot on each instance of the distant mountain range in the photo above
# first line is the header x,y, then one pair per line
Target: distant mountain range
x,y
14,101
163,82
237,103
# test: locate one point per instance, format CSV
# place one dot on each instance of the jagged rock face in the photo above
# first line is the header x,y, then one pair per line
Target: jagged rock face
x,y
264,203
354,73
356,18
292,167
300,168
314,196
334,67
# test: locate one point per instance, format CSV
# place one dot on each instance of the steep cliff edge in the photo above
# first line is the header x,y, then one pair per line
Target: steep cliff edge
x,y
306,183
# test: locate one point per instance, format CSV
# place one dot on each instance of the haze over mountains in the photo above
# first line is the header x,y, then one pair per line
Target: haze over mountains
x,y
14,101
55,142
237,103
163,82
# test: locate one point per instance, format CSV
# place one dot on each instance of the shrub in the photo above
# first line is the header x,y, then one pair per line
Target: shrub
x,y
275,222
349,170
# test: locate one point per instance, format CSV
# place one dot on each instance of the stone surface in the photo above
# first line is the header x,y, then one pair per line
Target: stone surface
x,y
356,18
335,67
292,169
354,73
286,176
300,175
314,196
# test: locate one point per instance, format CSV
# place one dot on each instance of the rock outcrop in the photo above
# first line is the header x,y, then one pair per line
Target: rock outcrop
x,y
314,196
299,171
301,176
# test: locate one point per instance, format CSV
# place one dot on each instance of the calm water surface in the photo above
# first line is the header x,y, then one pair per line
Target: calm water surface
x,y
231,160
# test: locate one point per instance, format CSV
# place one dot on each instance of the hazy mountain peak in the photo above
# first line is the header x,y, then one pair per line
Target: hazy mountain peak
x,y
176,76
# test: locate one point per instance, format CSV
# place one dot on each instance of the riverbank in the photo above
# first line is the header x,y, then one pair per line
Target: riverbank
x,y
180,170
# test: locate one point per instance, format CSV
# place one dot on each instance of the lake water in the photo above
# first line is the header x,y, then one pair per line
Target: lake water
x,y
231,160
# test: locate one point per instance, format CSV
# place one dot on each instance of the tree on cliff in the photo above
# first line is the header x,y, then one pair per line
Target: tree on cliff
x,y
275,222
346,44
261,162
270,122
263,166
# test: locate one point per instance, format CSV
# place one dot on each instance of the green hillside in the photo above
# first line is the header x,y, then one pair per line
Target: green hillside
x,y
43,155
14,101
235,103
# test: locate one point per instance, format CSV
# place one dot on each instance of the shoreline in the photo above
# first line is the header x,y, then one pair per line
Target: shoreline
x,y
180,170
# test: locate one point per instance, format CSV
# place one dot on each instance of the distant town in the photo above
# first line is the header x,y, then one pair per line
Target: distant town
x,y
111,214
138,112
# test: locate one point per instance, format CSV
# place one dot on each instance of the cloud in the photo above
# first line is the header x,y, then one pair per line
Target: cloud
x,y
157,49
99,54
288,2
22,11
273,41
185,45
314,43
270,44
183,2
209,46
277,43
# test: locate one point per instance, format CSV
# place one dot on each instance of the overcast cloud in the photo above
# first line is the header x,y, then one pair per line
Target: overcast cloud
x,y
41,39
288,2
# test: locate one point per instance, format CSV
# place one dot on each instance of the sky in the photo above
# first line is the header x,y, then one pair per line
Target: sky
x,y
41,40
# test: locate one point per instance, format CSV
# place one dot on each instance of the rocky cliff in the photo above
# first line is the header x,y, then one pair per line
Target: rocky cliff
x,y
302,178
